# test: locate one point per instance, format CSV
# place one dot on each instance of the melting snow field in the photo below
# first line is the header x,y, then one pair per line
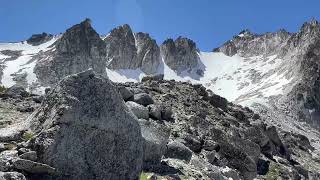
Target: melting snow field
x,y
241,80
22,64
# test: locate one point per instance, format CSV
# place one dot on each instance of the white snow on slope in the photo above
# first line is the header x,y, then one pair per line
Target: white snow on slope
x,y
21,65
241,80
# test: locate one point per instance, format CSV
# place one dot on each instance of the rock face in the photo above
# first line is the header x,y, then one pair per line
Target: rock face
x,y
38,39
305,93
126,50
248,44
86,131
148,53
121,49
79,49
180,55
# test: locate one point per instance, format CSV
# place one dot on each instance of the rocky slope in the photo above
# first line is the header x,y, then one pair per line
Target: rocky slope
x,y
186,132
213,139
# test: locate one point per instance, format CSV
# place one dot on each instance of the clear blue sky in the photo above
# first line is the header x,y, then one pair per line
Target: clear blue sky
x,y
208,22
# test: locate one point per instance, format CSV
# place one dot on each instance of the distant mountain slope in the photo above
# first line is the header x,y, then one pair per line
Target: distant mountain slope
x,y
277,73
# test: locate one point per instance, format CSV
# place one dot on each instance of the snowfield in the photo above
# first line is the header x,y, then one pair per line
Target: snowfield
x,y
240,80
22,65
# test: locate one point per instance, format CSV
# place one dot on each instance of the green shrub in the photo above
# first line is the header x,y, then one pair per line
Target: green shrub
x,y
27,136
2,89
143,176
274,172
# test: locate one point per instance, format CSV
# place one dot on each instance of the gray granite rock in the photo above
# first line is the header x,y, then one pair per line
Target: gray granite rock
x,y
178,150
125,93
33,167
138,110
128,50
156,137
180,55
148,53
121,49
38,39
86,131
143,99
12,176
79,49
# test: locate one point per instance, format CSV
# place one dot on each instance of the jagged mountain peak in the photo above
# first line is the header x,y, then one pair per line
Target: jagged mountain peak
x,y
81,39
310,28
276,74
180,54
125,29
245,33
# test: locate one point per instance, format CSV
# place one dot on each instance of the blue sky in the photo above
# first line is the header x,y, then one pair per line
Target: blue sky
x,y
208,22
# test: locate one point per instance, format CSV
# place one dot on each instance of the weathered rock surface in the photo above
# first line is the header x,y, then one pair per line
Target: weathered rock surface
x,y
79,49
32,167
12,176
180,55
155,140
143,99
121,49
148,53
138,110
125,93
156,77
248,44
86,131
208,133
38,39
16,91
177,150
128,50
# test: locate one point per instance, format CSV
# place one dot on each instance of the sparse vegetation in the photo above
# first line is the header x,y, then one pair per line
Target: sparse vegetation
x,y
2,89
27,136
143,176
274,172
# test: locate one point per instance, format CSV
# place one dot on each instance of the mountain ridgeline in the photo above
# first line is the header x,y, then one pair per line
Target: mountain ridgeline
x,y
80,105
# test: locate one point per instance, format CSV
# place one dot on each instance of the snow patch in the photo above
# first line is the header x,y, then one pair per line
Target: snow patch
x,y
22,64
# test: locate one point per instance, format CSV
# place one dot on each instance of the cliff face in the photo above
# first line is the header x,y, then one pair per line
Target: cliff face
x,y
180,55
128,50
79,49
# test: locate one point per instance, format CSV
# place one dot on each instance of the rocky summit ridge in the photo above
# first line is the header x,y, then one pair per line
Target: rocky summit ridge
x,y
247,110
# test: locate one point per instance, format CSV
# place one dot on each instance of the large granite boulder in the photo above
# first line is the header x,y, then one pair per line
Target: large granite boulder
x,y
181,54
85,131
79,49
